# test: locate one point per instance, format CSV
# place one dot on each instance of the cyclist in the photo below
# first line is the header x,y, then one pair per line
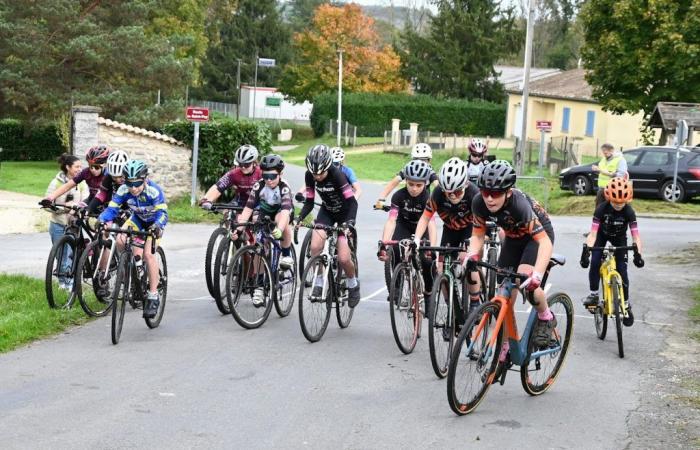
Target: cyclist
x,y
407,205
149,211
421,152
338,155
611,220
477,153
110,184
529,236
272,197
339,206
241,178
96,158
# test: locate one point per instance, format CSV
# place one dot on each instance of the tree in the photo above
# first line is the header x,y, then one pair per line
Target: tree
x,y
367,66
456,57
639,53
301,12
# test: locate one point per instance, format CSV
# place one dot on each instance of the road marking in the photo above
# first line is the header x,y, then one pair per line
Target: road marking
x,y
374,294
166,394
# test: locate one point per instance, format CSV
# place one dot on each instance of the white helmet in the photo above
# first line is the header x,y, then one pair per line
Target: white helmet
x,y
477,147
338,154
453,175
421,151
246,154
116,161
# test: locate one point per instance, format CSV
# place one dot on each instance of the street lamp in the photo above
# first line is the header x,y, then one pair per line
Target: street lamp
x,y
340,91
519,154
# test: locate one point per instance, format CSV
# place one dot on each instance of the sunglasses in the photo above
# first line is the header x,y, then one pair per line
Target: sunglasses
x,y
246,165
455,193
486,193
95,167
270,176
133,183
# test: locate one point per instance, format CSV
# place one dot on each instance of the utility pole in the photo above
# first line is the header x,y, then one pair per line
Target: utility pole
x,y
255,83
340,92
238,88
519,154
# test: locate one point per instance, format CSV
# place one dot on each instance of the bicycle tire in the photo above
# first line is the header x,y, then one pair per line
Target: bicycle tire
x,y
546,378
84,277
492,258
441,337
616,289
212,247
388,269
404,329
57,297
119,299
600,320
282,306
241,280
481,362
223,258
162,289
309,309
304,252
343,311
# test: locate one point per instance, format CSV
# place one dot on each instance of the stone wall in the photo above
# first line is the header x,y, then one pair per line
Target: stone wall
x,y
84,133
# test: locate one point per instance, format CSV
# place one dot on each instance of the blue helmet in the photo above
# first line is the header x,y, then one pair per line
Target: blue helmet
x,y
135,169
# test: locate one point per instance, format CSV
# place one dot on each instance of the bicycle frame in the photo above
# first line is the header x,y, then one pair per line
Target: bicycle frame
x,y
608,273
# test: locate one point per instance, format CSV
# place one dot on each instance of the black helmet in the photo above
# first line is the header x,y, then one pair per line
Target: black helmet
x,y
498,175
318,159
272,162
417,170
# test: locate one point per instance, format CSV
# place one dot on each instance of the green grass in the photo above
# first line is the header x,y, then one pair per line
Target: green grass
x,y
27,177
694,312
180,211
25,315
304,142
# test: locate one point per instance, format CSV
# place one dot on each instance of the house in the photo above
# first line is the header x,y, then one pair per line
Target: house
x,y
566,100
511,77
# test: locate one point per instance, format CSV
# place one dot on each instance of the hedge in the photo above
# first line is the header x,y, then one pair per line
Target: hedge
x,y
372,114
22,142
218,141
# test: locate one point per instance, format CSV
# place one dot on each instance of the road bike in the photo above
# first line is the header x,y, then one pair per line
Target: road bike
x,y
390,261
493,248
305,251
489,344
214,277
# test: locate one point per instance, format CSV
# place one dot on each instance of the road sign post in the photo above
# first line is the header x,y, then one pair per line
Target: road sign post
x,y
196,115
545,126
681,137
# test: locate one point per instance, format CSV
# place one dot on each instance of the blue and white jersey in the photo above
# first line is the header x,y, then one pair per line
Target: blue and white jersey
x,y
349,174
149,206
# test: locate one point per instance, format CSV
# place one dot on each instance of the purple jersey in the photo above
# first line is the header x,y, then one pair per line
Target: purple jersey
x,y
92,181
242,182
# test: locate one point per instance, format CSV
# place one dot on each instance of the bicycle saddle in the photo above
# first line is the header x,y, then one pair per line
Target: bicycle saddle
x,y
556,259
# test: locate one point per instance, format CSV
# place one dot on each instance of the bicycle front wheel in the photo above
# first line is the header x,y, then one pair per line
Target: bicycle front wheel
x,y
314,311
215,239
617,311
403,308
343,311
162,288
542,365
249,288
441,322
222,261
305,253
120,296
286,282
86,279
474,359
59,277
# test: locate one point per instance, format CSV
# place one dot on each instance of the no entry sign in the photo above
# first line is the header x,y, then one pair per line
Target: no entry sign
x,y
196,114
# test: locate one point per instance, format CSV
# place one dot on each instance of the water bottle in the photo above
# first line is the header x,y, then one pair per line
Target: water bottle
x,y
139,267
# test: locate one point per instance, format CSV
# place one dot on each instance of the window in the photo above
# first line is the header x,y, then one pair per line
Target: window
x,y
695,162
590,123
654,158
630,157
565,120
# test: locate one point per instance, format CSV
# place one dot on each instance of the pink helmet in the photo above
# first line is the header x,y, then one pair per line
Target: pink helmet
x,y
477,147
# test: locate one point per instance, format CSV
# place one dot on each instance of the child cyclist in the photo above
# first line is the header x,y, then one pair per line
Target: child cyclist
x,y
529,236
149,212
610,222
92,175
272,198
421,152
241,178
338,155
110,184
477,154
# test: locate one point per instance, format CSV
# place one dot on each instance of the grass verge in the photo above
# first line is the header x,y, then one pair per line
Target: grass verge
x,y
25,316
694,312
27,177
180,211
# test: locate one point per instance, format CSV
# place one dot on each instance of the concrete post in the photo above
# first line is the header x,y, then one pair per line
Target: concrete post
x,y
414,133
395,132
84,129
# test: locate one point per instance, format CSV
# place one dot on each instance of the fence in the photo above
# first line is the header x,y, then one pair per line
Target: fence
x,y
348,132
228,109
450,142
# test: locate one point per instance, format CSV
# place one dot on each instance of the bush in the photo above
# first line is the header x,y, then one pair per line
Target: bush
x,y
372,114
218,141
21,142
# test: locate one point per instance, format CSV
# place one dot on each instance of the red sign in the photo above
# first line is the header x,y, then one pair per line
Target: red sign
x,y
544,125
197,114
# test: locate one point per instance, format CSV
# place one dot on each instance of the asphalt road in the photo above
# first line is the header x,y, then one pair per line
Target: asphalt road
x,y
199,380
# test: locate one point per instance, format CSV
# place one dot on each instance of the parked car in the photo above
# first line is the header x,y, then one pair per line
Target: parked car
x,y
651,171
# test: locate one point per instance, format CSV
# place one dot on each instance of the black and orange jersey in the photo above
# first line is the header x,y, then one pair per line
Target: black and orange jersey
x,y
456,216
520,217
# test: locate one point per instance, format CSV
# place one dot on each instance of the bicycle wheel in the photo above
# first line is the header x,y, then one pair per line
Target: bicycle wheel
x,y
473,362
212,248
286,282
601,322
87,274
59,278
617,310
248,273
492,258
542,365
304,252
162,288
343,311
441,322
388,269
222,261
403,308
314,313
120,298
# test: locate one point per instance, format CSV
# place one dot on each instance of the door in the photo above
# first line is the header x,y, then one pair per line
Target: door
x,y
649,171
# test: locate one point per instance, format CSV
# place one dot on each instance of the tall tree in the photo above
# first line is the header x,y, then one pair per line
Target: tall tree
x,y
456,57
367,66
301,12
639,53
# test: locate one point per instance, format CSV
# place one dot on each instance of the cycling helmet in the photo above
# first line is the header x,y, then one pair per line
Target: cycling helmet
x,y
97,154
338,154
135,169
272,162
477,147
453,175
422,151
318,159
246,154
619,190
498,175
116,162
417,170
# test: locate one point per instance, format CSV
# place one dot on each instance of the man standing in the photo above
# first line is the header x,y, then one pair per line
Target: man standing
x,y
611,165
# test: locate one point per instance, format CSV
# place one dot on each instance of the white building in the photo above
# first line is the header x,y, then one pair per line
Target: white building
x,y
270,104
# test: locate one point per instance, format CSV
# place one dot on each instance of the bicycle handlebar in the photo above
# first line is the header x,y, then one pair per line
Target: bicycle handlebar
x,y
383,208
612,248
443,249
501,271
216,207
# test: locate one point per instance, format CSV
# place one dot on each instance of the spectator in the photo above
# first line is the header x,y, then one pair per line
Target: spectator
x,y
611,165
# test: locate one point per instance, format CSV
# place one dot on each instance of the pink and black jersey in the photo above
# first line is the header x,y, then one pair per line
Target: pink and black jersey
x,y
335,192
241,182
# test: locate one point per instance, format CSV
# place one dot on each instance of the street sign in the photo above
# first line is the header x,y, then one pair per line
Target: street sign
x,y
273,101
266,62
544,125
681,132
197,114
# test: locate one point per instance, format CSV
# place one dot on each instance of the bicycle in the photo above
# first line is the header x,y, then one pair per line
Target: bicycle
x,y
389,263
489,345
215,240
225,252
252,268
493,247
315,313
305,251
132,280
64,256
614,303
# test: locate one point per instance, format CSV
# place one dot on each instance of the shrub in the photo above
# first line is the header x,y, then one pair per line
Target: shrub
x,y
218,141
372,113
22,142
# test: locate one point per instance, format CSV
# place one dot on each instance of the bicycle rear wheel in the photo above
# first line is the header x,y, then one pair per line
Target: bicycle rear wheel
x,y
403,308
286,283
162,288
343,311
314,313
617,310
441,321
59,277
222,261
86,279
212,250
473,361
249,272
119,299
542,365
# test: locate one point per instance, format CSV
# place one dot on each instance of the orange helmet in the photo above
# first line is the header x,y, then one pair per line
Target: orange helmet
x,y
619,190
